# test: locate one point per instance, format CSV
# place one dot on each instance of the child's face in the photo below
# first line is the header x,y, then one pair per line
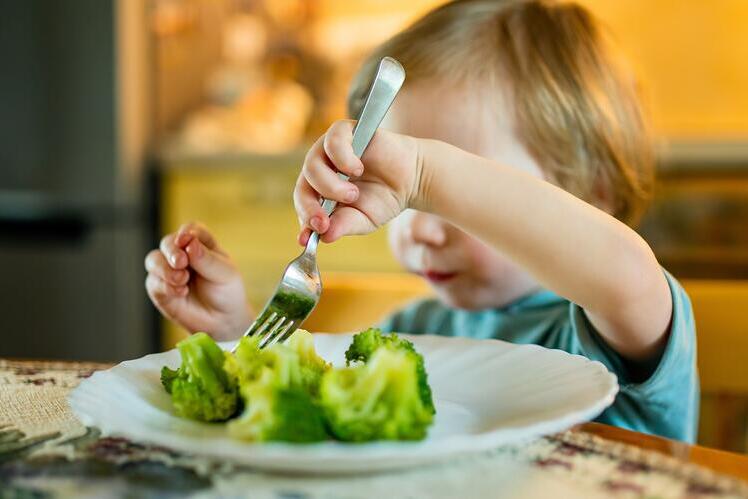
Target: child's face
x,y
464,272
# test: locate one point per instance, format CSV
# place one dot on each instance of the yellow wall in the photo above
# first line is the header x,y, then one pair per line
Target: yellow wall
x,y
692,57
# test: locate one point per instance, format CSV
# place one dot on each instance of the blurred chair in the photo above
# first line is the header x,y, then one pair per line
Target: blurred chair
x,y
721,312
355,301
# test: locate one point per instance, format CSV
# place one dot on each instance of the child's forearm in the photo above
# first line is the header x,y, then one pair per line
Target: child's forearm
x,y
569,246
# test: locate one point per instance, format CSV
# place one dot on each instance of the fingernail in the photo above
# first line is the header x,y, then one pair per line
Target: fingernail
x,y
316,223
195,249
358,171
351,196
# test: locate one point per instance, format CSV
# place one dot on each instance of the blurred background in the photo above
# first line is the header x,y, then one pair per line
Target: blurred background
x,y
122,119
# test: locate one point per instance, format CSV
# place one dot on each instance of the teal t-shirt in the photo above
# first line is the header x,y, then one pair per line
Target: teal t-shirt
x,y
664,403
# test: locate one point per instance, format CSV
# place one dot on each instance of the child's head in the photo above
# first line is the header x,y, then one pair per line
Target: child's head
x,y
531,84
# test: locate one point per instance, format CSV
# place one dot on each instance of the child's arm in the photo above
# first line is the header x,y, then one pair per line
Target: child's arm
x,y
570,247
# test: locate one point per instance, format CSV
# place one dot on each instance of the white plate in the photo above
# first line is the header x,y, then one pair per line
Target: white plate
x,y
487,393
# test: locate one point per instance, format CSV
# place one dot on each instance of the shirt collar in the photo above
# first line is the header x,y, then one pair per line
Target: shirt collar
x,y
537,299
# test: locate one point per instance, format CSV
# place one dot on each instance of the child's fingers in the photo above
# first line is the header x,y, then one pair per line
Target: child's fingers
x,y
322,177
347,221
338,147
162,293
304,236
306,202
210,264
192,230
156,264
176,257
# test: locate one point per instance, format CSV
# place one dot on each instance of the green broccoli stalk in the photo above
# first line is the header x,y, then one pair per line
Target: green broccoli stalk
x,y
246,362
367,342
274,412
379,400
201,389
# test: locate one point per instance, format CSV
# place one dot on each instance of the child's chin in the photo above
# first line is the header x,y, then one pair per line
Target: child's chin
x,y
452,300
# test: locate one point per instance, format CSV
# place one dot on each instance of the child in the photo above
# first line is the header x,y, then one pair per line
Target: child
x,y
509,165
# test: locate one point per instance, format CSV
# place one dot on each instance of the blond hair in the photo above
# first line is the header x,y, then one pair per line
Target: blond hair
x,y
575,110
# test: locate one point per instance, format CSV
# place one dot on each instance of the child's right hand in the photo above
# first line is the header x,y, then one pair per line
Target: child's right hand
x,y
383,183
193,282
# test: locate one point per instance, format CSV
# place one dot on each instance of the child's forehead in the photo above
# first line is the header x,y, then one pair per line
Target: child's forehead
x,y
462,116
471,117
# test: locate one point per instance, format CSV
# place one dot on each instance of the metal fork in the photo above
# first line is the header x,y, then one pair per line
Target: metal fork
x,y
300,288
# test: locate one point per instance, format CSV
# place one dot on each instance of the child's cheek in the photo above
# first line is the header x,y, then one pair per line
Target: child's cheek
x,y
487,263
400,243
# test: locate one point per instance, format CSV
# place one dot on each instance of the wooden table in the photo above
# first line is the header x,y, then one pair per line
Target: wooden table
x,y
591,456
727,463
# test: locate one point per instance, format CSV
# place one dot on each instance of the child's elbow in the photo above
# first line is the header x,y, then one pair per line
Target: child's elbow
x,y
643,304
646,280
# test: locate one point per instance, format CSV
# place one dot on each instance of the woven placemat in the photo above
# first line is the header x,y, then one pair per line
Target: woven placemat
x,y
44,449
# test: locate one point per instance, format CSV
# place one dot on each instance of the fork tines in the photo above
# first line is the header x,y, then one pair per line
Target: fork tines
x,y
271,327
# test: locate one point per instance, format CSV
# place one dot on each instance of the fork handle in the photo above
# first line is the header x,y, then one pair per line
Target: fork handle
x,y
390,77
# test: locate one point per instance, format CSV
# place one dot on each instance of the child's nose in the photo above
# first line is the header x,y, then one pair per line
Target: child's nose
x,y
428,229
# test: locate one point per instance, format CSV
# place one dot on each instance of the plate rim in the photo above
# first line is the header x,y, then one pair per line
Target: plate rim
x,y
379,456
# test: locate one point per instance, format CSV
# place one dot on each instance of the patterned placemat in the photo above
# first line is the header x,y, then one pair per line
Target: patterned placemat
x,y
46,452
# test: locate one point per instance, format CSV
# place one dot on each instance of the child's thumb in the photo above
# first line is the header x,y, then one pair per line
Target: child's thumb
x,y
209,264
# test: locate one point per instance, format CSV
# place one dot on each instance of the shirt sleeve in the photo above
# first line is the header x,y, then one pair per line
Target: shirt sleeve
x,y
665,402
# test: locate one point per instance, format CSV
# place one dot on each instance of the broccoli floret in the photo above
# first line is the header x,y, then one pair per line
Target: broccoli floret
x,y
274,411
278,385
378,400
201,389
168,376
289,393
246,362
367,342
312,366
294,363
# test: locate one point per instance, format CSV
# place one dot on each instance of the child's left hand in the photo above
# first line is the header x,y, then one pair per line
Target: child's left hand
x,y
384,182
